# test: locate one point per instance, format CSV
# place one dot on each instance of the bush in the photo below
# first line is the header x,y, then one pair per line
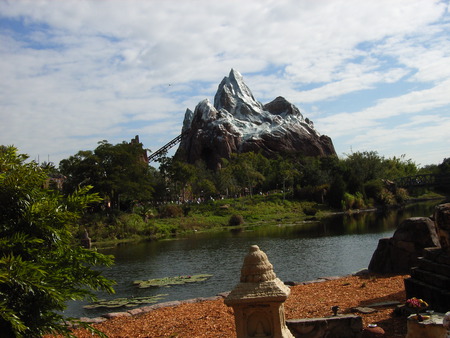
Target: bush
x,y
170,211
386,197
373,188
359,201
336,192
401,195
310,210
348,201
40,269
312,193
236,220
129,224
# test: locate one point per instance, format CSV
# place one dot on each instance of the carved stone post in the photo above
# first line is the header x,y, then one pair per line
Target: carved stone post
x,y
86,240
258,299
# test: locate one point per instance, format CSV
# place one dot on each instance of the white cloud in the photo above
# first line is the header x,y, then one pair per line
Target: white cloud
x,y
84,70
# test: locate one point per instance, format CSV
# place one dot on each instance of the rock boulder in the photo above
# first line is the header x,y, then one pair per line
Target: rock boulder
x,y
400,252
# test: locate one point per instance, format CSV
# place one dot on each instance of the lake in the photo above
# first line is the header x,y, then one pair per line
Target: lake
x,y
303,251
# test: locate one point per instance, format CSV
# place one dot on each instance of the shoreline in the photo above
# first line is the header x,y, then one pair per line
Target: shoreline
x,y
221,295
306,219
210,317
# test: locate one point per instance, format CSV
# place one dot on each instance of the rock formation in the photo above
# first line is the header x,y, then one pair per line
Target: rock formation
x,y
430,277
237,123
401,252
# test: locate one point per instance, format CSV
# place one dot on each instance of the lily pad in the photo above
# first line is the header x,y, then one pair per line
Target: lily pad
x,y
127,302
167,281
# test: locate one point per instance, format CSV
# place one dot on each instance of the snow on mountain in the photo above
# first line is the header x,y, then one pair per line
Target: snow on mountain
x,y
238,123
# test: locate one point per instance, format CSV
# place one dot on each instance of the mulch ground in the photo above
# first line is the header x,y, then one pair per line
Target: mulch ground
x,y
215,319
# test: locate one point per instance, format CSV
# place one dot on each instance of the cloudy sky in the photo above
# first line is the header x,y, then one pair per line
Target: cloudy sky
x,y
372,75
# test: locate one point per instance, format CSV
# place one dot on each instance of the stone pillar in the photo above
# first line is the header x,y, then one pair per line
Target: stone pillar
x,y
258,299
86,240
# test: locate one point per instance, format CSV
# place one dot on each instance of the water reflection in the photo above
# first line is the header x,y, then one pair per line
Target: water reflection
x,y
301,251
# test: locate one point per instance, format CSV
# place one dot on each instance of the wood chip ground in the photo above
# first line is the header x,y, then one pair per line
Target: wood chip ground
x,y
214,319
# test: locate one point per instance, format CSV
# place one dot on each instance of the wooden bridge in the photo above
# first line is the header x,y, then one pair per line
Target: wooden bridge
x,y
424,180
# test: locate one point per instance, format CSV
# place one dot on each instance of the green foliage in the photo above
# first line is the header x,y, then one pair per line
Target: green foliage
x,y
313,193
127,225
386,197
310,210
247,171
168,281
119,173
40,268
401,195
336,192
170,211
350,201
236,220
373,188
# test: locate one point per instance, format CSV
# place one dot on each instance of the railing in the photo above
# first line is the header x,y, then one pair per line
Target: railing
x,y
424,180
166,147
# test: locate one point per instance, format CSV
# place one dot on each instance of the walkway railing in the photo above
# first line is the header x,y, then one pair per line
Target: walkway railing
x,y
424,180
166,147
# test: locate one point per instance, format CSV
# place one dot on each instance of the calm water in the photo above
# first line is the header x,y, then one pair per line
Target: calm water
x,y
299,252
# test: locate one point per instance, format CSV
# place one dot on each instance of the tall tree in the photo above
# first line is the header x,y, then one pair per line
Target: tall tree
x,y
41,267
117,172
246,169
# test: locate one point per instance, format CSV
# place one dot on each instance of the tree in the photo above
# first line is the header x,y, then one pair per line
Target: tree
x,y
41,267
399,167
117,172
361,167
246,169
183,173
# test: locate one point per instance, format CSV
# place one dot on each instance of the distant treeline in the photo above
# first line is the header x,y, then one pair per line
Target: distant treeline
x,y
122,177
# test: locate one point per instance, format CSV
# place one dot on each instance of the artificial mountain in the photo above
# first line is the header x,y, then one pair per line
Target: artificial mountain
x,y
237,123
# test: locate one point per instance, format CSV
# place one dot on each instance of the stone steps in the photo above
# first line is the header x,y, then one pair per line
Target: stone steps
x,y
434,267
431,278
439,300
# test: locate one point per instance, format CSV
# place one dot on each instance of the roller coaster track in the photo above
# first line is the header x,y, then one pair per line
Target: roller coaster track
x,y
166,147
425,180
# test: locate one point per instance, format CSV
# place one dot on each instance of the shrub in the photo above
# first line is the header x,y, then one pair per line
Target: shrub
x,y
170,211
312,193
373,188
401,195
310,210
40,269
359,201
386,197
129,224
236,220
348,201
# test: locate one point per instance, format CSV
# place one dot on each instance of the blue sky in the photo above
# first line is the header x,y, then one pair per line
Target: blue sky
x,y
372,75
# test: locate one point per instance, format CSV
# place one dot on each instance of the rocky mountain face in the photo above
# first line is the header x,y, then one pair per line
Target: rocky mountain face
x,y
237,123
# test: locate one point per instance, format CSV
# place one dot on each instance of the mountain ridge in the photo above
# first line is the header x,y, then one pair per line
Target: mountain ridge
x,y
238,123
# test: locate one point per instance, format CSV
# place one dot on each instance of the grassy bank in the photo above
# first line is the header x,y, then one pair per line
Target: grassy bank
x,y
173,220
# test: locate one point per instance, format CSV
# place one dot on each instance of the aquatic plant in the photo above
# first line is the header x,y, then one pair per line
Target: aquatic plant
x,y
127,302
168,281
